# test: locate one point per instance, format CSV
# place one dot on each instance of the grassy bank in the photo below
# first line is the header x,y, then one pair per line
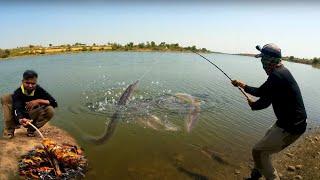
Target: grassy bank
x,y
32,50
79,47
315,62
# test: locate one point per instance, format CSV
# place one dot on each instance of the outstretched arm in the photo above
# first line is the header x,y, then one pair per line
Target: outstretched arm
x,y
263,90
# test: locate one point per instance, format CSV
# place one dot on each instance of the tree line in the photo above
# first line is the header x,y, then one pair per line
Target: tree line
x,y
163,46
313,61
147,46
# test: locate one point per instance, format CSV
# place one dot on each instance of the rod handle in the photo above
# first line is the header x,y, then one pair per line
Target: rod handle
x,y
244,93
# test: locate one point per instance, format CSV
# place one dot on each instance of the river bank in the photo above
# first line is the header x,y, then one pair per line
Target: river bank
x,y
315,65
79,47
12,149
79,52
315,62
299,161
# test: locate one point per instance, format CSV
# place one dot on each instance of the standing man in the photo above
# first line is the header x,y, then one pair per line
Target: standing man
x,y
30,103
282,91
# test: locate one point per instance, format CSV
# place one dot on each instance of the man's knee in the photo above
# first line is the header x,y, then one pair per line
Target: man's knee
x,y
6,99
49,112
256,152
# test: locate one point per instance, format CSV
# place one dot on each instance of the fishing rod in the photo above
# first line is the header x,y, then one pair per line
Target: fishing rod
x,y
245,94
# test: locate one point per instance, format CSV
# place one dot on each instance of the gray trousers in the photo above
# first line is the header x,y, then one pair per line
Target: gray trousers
x,y
40,115
275,140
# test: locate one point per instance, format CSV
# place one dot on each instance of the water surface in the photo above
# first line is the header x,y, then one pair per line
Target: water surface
x,y
87,85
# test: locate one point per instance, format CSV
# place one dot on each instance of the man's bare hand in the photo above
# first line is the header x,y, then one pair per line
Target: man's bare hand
x,y
24,122
238,83
31,104
250,101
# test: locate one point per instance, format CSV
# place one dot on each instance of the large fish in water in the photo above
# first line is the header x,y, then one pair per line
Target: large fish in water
x,y
194,109
214,155
126,95
111,126
155,123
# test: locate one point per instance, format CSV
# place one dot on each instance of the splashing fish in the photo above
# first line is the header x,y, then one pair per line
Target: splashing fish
x,y
111,126
194,109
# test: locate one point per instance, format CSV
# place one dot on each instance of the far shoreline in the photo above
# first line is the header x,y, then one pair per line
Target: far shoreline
x,y
109,51
299,61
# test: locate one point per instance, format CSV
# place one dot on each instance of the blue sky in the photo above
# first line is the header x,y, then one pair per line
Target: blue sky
x,y
229,27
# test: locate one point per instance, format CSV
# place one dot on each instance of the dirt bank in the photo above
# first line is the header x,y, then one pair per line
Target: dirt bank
x,y
301,160
12,149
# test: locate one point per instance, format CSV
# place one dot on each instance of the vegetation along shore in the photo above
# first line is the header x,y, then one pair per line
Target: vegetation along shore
x,y
141,47
315,62
80,47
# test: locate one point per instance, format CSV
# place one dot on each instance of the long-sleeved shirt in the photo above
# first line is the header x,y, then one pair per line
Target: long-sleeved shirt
x,y
19,99
282,91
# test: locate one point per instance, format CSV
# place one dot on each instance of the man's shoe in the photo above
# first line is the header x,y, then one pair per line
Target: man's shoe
x,y
255,175
8,135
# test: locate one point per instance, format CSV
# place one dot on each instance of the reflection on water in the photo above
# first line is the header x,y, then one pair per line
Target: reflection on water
x,y
150,137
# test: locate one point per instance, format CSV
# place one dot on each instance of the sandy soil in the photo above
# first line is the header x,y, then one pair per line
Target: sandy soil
x,y
12,149
301,160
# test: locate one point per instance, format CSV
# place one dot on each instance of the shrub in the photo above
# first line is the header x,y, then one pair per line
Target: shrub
x,y
4,53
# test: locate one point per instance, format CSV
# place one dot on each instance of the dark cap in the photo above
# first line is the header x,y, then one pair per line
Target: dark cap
x,y
271,50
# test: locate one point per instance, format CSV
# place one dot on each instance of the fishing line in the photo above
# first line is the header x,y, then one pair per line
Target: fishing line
x,y
222,72
145,73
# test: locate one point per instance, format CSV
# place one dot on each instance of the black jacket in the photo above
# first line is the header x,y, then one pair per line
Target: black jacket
x,y
282,91
19,101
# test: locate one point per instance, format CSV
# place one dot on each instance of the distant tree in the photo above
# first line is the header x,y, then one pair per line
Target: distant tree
x,y
153,44
193,48
79,44
94,44
4,53
115,46
130,44
50,45
148,44
7,51
162,44
31,46
141,45
316,61
204,50
291,58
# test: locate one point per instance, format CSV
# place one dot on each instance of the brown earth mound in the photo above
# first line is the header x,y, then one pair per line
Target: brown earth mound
x,y
301,160
11,150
